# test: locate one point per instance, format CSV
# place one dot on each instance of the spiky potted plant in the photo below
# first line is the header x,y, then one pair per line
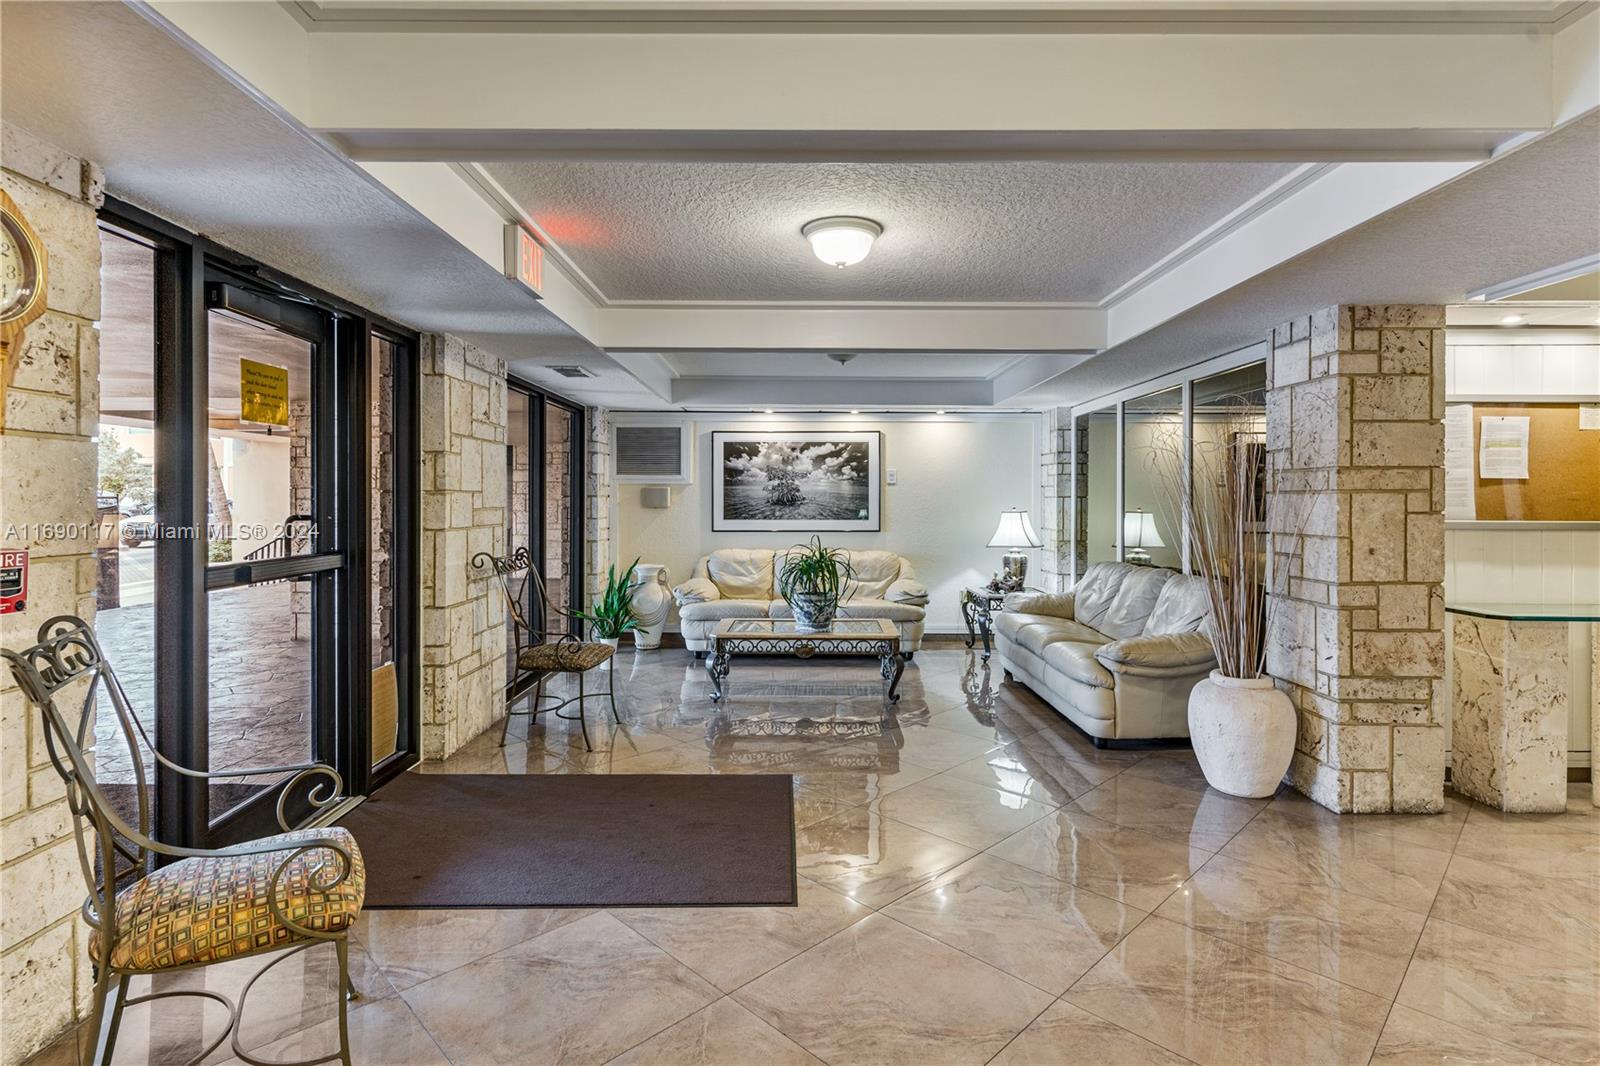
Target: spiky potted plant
x,y
811,580
1242,726
612,614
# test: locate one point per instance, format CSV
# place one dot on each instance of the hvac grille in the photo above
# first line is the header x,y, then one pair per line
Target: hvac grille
x,y
573,371
649,451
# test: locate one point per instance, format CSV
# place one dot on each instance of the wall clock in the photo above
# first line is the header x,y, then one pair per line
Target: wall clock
x,y
24,276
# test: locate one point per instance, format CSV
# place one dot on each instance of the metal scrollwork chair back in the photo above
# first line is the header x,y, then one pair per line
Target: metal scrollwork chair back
x,y
541,652
301,887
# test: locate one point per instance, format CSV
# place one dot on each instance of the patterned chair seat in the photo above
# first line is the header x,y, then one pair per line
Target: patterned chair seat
x,y
564,658
210,909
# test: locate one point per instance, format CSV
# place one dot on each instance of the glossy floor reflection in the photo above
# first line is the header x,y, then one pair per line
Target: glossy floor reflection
x,y
980,884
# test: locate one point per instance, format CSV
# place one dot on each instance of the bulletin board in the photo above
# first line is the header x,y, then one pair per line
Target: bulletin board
x,y
1563,483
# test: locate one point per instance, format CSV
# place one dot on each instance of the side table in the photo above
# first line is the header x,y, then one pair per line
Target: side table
x,y
977,604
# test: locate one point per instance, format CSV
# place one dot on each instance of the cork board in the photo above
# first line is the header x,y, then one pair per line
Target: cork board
x,y
1563,482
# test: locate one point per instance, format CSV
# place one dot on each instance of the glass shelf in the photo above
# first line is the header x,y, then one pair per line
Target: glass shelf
x,y
1529,612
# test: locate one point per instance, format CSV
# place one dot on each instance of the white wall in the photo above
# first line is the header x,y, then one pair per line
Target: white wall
x,y
1539,564
955,474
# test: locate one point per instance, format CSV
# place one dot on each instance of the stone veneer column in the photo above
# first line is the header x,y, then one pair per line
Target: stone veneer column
x,y
463,513
597,495
47,487
1355,439
1055,466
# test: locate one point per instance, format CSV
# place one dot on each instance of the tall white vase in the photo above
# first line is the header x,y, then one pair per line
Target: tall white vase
x,y
651,599
1243,733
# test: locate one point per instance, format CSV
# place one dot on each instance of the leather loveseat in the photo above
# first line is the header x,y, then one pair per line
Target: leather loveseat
x,y
1117,655
741,583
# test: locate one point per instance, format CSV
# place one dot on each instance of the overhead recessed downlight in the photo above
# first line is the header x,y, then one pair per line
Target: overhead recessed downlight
x,y
938,412
1511,320
769,410
841,240
855,412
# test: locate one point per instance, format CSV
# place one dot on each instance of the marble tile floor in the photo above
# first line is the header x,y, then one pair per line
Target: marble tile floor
x,y
980,884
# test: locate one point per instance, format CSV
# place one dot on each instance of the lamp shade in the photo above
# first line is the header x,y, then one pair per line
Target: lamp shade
x,y
1014,531
1139,531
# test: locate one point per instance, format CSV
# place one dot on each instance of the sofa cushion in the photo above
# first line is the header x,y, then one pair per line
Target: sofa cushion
x,y
1055,604
1117,598
1181,607
1041,634
1076,660
861,608
1159,651
696,590
874,572
710,610
742,573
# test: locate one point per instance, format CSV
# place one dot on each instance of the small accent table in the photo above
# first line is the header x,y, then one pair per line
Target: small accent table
x,y
1511,701
976,607
780,636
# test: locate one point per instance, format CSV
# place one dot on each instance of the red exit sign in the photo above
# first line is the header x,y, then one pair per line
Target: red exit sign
x,y
524,258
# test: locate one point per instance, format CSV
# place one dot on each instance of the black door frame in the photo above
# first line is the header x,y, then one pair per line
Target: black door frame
x,y
186,266
540,402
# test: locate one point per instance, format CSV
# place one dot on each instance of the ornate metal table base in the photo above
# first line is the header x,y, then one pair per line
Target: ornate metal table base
x,y
976,607
741,636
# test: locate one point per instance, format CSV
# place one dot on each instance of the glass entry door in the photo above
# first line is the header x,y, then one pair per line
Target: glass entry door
x,y
544,472
258,454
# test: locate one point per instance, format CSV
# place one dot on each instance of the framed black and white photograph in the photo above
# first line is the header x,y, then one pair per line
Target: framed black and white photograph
x,y
800,482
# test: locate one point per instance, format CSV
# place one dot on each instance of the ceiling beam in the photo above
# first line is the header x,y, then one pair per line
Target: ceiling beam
x,y
832,392
1212,89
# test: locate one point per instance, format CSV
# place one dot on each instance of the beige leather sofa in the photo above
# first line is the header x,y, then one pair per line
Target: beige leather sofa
x,y
741,583
1117,655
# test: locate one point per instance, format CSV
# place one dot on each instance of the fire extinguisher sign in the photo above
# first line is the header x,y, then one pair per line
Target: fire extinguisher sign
x,y
13,581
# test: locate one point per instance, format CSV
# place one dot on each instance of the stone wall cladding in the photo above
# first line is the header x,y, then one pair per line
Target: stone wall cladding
x,y
463,513
597,504
47,480
1055,464
1355,444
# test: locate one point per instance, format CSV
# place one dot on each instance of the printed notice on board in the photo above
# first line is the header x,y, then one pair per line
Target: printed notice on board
x,y
1503,447
1460,496
1589,416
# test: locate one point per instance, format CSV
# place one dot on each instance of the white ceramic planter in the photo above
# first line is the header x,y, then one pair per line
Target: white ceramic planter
x,y
1243,734
651,599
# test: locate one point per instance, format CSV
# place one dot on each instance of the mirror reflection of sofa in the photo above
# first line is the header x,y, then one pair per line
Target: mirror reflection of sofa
x,y
1117,655
742,583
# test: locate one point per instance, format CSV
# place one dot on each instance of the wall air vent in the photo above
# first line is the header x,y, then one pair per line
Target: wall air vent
x,y
573,371
652,453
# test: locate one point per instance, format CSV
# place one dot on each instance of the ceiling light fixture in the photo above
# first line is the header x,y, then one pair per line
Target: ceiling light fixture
x,y
841,240
1510,320
769,410
938,412
854,412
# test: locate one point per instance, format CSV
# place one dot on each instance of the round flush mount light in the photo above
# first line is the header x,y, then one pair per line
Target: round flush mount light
x,y
1511,320
842,240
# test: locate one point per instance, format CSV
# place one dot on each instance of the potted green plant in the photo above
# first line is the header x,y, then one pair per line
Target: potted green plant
x,y
811,580
612,614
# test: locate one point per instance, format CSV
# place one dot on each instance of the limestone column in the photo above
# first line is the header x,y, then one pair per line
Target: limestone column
x,y
1356,451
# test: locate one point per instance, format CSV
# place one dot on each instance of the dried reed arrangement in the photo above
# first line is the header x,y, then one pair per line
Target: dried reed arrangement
x,y
1225,518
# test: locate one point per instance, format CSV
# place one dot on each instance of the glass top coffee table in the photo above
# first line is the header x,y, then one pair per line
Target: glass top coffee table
x,y
781,636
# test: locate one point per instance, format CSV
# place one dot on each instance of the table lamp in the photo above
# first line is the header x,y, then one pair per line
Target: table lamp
x,y
1139,533
1014,532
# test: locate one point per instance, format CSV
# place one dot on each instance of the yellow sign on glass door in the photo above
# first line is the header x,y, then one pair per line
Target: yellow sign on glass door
x,y
263,393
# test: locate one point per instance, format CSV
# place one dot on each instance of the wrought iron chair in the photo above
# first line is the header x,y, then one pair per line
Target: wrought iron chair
x,y
540,652
282,893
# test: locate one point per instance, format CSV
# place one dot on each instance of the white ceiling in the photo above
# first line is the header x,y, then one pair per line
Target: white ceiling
x,y
891,365
1528,210
961,232
179,139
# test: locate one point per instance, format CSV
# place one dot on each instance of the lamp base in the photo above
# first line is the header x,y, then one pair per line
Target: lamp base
x,y
1013,571
1136,556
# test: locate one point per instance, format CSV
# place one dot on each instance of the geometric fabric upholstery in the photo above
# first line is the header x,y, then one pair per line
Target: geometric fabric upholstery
x,y
204,910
